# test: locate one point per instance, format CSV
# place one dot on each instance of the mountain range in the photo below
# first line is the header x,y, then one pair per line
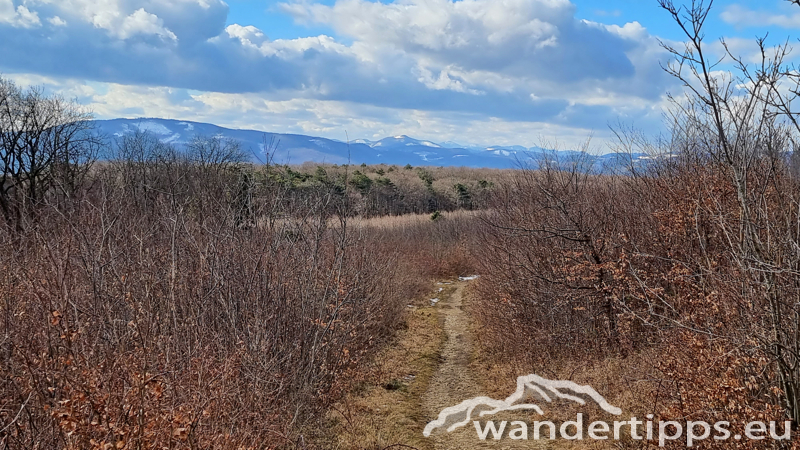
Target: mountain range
x,y
400,150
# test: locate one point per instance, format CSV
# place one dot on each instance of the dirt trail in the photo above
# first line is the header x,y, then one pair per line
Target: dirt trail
x,y
454,380
426,369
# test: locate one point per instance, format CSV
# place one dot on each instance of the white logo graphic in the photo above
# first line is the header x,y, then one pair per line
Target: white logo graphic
x,y
544,387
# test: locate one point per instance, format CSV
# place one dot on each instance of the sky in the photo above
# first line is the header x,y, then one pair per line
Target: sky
x,y
484,72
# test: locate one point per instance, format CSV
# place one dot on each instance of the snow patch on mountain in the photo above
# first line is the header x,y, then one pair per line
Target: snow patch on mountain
x,y
153,127
395,150
320,143
175,138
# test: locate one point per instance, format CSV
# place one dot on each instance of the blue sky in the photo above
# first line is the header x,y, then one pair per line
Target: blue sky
x,y
493,72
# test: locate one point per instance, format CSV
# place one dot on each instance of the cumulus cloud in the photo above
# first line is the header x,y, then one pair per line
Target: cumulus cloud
x,y
190,21
57,21
745,17
302,115
249,36
514,51
528,38
516,61
18,16
144,23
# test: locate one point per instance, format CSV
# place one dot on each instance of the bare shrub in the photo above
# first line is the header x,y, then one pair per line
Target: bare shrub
x,y
154,314
695,256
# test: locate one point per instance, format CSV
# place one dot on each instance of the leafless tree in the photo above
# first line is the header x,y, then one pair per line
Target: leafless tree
x,y
46,142
740,119
214,152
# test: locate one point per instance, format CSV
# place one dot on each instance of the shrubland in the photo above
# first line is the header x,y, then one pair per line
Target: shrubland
x,y
395,190
677,282
182,298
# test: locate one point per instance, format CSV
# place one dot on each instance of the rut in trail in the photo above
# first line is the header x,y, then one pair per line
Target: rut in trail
x,y
455,382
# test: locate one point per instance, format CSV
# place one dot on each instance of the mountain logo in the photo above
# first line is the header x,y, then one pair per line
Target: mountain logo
x,y
546,389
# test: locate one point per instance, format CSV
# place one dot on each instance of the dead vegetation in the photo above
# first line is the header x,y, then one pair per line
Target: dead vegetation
x,y
387,408
680,279
183,299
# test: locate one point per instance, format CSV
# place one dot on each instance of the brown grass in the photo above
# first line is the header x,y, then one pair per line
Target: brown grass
x,y
407,222
387,408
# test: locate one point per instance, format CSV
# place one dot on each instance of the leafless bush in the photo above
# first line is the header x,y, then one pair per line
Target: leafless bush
x,y
189,305
696,256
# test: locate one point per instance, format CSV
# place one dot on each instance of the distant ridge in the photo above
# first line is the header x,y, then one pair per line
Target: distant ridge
x,y
398,150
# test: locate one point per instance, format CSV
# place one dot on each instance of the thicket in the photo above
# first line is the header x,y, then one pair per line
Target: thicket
x,y
694,261
181,298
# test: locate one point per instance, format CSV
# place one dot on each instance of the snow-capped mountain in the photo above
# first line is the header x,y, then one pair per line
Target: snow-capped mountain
x,y
403,141
400,150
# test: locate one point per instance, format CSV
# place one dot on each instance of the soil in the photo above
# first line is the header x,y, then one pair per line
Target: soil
x,y
429,367
455,381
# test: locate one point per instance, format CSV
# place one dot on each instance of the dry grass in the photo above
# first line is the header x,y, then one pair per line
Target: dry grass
x,y
624,382
409,221
387,408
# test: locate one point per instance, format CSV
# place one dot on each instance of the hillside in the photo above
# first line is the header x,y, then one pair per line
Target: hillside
x,y
402,150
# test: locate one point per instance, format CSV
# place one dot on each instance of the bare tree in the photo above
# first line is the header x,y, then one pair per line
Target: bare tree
x,y
740,120
215,153
45,142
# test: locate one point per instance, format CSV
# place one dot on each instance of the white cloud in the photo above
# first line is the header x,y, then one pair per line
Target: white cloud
x,y
141,22
744,17
20,17
497,35
454,68
448,79
123,19
57,21
253,38
332,119
478,46
249,35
